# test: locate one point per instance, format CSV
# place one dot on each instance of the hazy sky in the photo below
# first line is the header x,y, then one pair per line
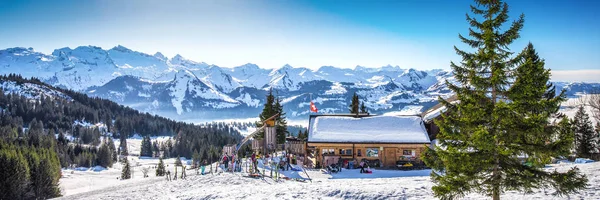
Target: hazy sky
x,y
409,33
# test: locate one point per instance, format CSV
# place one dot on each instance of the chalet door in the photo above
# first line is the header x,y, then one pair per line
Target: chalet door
x,y
390,157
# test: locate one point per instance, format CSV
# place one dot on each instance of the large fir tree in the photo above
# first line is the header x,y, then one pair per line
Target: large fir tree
x,y
267,112
281,124
503,112
273,106
586,139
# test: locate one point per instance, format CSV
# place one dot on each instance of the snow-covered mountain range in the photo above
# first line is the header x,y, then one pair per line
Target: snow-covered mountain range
x,y
187,90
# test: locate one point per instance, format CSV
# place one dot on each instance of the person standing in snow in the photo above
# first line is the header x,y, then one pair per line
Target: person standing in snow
x,y
232,163
225,162
362,166
289,162
253,158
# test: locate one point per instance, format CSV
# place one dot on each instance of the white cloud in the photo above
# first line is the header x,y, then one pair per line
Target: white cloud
x,y
591,75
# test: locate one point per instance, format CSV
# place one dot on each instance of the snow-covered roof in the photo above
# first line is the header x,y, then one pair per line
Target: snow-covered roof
x,y
434,113
376,129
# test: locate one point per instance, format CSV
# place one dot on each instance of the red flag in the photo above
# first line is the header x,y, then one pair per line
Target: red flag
x,y
313,108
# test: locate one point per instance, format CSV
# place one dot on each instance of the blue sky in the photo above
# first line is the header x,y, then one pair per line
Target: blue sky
x,y
408,33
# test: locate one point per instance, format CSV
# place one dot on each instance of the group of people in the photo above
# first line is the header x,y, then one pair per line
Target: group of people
x,y
337,166
229,161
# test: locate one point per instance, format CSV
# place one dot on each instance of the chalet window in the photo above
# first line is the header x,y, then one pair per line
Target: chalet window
x,y
359,152
372,152
328,151
407,152
348,151
345,151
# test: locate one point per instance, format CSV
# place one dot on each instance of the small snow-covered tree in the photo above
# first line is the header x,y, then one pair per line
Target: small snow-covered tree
x,y
126,172
160,170
363,108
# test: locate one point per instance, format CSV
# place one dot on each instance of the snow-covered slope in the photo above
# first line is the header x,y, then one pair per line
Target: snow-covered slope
x,y
348,184
184,89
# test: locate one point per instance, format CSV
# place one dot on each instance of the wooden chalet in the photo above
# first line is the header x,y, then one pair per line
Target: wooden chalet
x,y
380,139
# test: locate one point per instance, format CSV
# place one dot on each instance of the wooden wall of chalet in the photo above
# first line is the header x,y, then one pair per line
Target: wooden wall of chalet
x,y
388,156
432,129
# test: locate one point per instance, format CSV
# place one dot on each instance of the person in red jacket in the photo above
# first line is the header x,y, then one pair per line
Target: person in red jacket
x,y
225,161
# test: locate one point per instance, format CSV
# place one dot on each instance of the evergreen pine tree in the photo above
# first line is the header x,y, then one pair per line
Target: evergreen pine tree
x,y
363,108
112,149
104,155
281,125
495,121
123,145
160,170
267,112
14,171
204,155
46,176
354,105
586,139
155,149
126,172
178,161
146,147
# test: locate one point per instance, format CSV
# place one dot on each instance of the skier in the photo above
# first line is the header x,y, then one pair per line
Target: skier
x,y
203,167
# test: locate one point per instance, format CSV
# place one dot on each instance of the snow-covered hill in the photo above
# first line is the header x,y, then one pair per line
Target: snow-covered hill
x,y
183,89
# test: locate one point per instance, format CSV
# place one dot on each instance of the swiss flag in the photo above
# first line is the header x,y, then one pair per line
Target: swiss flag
x,y
313,108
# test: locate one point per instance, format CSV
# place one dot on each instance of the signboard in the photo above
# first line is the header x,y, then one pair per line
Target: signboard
x,y
372,152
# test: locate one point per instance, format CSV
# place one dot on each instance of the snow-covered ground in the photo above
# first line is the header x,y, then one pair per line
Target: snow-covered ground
x,y
349,184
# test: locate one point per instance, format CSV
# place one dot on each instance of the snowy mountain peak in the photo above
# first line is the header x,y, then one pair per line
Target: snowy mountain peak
x,y
16,50
159,55
180,61
391,68
185,75
247,66
61,52
121,49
